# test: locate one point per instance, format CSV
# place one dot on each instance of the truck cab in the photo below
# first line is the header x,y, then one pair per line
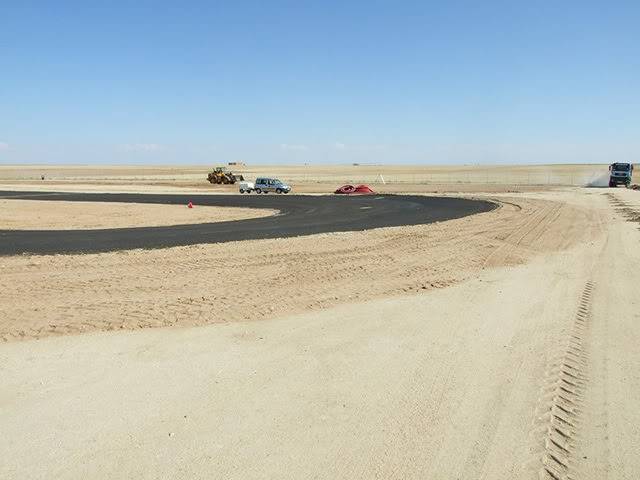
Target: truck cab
x,y
620,174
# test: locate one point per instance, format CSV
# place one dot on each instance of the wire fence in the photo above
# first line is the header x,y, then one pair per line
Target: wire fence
x,y
534,179
596,177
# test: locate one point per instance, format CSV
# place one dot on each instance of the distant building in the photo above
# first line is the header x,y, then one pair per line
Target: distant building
x,y
237,164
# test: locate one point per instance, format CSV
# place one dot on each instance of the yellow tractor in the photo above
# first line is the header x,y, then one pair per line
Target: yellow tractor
x,y
220,175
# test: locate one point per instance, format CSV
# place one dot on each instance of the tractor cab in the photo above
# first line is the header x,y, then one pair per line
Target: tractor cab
x,y
221,175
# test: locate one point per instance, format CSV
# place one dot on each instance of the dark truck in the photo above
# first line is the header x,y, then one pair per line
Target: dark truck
x,y
620,174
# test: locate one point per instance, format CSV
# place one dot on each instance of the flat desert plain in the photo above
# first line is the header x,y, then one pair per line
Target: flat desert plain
x,y
501,345
306,178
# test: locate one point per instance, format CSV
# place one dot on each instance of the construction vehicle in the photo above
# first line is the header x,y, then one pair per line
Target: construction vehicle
x,y
221,175
620,174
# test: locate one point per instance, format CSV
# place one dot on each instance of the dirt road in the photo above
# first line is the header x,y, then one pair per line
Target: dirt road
x,y
524,366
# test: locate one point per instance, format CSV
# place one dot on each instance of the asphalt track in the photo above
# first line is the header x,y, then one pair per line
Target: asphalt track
x,y
299,215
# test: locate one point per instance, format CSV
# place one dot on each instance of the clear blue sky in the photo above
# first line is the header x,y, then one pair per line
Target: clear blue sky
x,y
327,81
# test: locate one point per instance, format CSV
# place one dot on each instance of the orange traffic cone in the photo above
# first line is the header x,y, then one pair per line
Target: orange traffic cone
x,y
190,205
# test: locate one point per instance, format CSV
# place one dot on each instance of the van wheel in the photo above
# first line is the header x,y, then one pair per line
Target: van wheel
x,y
278,191
241,190
258,190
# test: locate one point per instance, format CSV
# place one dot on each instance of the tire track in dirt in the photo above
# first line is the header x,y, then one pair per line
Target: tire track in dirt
x,y
627,210
560,413
531,225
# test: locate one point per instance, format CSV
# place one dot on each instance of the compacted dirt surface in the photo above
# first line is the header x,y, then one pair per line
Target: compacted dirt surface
x,y
501,345
43,215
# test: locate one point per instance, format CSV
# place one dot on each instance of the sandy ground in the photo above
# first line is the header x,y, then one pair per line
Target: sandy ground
x,y
307,178
499,346
43,215
201,284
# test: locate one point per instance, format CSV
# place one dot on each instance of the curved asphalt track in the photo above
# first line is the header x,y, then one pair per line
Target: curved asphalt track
x,y
299,215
